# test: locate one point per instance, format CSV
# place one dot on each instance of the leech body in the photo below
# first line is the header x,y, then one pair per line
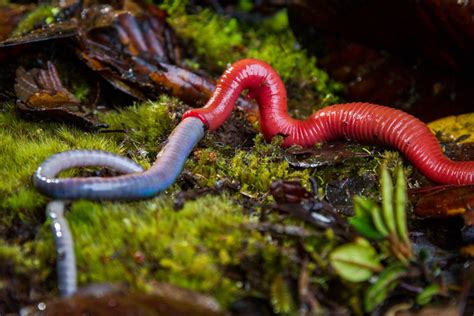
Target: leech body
x,y
368,123
138,185
358,121
66,260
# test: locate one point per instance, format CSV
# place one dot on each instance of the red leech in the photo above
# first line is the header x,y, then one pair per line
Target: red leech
x,y
358,121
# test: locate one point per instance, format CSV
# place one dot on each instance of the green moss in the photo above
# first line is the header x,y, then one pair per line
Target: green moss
x,y
144,125
16,258
254,168
23,146
190,248
42,14
272,41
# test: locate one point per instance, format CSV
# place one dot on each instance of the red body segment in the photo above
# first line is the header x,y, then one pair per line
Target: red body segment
x,y
363,122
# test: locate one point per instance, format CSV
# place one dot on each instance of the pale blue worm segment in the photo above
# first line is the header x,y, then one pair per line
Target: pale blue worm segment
x,y
66,260
170,161
139,185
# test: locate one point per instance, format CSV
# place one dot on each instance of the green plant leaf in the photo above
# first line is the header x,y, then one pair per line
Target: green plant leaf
x,y
365,228
387,199
362,221
427,294
400,206
377,219
356,261
385,283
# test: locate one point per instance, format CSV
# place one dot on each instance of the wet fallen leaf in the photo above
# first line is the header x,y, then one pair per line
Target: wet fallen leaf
x,y
327,155
288,192
455,127
443,201
42,94
292,198
42,88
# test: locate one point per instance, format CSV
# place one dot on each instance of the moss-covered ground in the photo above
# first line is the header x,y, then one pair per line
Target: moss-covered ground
x,y
210,244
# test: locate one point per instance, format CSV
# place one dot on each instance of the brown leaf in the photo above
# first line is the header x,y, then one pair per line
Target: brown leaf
x,y
41,94
443,201
327,155
164,299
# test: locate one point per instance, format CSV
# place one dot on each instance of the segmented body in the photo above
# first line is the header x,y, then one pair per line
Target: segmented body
x,y
66,260
138,185
363,122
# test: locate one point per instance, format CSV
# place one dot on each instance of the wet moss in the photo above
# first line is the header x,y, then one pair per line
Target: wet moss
x,y
23,146
272,41
254,169
142,127
194,248
143,242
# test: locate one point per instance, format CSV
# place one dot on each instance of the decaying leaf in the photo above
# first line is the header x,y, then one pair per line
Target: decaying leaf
x,y
328,154
443,201
288,192
42,94
42,88
455,127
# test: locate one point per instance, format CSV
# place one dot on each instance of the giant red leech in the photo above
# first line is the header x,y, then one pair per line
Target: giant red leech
x,y
368,123
358,121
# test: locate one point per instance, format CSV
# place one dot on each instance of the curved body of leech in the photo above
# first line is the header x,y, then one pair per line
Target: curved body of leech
x,y
364,122
358,121
138,185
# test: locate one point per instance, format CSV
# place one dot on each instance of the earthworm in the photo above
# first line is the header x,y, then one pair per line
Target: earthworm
x,y
363,122
138,185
